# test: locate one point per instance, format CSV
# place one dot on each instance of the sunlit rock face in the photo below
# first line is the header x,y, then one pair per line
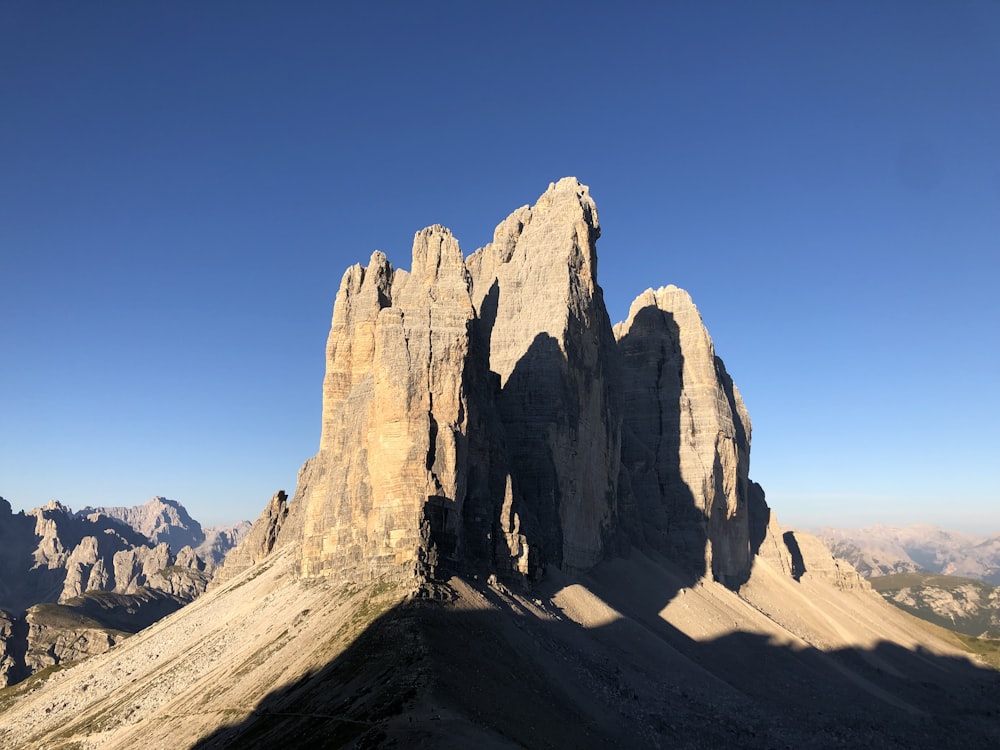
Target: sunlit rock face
x,y
395,415
479,414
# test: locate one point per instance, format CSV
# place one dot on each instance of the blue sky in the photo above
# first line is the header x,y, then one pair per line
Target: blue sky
x,y
182,185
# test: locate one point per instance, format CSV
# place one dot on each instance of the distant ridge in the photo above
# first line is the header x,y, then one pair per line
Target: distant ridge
x,y
163,520
886,550
74,584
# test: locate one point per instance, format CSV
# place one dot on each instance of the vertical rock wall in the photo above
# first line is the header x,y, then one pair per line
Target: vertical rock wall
x,y
550,342
393,444
480,413
687,437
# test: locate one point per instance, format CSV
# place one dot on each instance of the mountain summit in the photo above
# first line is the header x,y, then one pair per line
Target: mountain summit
x,y
481,415
524,528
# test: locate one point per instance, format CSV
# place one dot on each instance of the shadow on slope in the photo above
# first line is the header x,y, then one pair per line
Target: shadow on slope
x,y
479,667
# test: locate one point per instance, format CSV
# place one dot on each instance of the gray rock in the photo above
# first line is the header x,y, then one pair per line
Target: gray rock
x,y
686,441
51,557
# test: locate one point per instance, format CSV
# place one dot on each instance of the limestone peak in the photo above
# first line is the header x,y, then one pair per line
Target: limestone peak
x,y
481,414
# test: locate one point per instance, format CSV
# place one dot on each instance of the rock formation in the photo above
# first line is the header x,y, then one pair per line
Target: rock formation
x,y
687,437
523,528
161,520
258,542
52,558
883,550
482,414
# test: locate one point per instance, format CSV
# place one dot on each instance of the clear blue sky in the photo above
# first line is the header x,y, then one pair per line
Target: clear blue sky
x,y
182,185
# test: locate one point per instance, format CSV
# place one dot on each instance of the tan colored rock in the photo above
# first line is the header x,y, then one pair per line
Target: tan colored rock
x,y
811,558
393,415
424,453
54,640
258,543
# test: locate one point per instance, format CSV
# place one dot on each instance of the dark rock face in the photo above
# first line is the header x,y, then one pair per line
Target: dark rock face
x,y
484,416
687,438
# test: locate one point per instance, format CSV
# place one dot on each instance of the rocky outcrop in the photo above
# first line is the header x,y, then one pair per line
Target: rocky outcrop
x,y
811,557
159,520
11,660
686,446
258,543
57,636
454,401
393,413
48,554
548,338
483,415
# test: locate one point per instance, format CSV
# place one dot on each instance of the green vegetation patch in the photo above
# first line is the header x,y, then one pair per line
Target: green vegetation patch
x,y
987,649
10,695
62,616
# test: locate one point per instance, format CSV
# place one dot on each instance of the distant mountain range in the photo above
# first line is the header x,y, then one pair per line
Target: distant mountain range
x,y
885,550
73,584
946,577
962,604
164,520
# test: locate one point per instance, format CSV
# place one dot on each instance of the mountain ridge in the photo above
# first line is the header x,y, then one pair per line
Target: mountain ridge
x,y
884,550
74,584
522,526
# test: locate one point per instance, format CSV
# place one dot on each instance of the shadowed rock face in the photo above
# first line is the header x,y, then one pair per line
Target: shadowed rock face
x,y
479,414
687,437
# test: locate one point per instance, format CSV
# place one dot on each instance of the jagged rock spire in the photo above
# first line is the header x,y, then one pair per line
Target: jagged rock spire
x,y
474,413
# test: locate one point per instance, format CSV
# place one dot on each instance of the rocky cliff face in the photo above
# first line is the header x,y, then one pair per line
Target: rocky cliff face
x,y
687,437
49,554
257,543
482,414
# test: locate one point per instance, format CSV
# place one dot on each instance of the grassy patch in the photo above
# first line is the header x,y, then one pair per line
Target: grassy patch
x,y
61,616
988,649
